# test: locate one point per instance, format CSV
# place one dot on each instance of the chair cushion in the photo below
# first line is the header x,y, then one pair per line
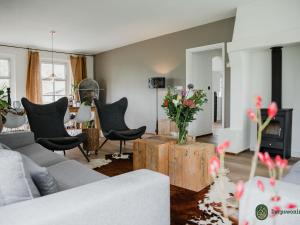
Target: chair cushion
x,y
129,134
70,174
60,140
62,143
14,186
40,155
43,180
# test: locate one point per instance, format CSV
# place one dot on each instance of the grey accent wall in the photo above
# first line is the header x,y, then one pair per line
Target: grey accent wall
x,y
125,71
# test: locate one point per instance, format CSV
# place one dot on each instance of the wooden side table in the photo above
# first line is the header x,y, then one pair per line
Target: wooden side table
x,y
188,165
92,141
152,153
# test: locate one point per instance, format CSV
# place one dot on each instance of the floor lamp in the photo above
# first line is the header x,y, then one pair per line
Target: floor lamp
x,y
156,83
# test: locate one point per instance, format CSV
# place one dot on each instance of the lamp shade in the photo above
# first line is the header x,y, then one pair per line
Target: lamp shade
x,y
156,82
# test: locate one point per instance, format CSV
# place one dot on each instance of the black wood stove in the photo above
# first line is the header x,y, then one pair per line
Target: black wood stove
x,y
277,136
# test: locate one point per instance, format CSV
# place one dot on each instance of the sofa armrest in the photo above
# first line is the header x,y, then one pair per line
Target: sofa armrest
x,y
253,196
138,197
17,139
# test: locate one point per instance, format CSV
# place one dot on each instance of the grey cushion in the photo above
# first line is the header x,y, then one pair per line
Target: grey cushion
x,y
17,139
43,180
34,191
70,174
13,184
40,155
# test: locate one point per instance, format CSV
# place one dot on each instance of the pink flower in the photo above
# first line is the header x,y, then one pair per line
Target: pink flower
x,y
266,159
261,157
272,181
291,206
277,160
275,209
245,222
280,163
272,109
270,164
221,147
251,115
260,185
275,198
258,102
226,144
214,165
166,103
239,190
189,103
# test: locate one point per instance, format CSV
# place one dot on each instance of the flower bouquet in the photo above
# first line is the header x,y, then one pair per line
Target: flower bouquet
x,y
181,108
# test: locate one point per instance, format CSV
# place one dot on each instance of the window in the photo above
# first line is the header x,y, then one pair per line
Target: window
x,y
4,73
53,90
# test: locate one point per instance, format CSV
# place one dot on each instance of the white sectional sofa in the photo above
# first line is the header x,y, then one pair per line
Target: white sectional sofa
x,y
87,197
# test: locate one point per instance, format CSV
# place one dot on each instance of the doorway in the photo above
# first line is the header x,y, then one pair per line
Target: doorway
x,y
205,68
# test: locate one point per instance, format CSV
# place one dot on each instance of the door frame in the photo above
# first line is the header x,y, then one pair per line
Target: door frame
x,y
188,55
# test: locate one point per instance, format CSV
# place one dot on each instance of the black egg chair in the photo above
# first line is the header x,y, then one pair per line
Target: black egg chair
x,y
47,124
111,117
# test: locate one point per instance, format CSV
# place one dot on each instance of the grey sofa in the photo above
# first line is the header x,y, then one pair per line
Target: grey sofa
x,y
87,197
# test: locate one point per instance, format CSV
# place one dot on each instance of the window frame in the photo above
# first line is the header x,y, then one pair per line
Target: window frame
x,y
67,78
12,73
9,77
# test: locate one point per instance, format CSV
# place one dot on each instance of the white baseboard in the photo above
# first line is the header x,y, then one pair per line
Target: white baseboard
x,y
295,154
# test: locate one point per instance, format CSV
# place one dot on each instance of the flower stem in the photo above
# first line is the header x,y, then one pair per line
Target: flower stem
x,y
261,127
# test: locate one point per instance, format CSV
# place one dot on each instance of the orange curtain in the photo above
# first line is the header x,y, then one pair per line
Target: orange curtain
x,y
33,82
78,66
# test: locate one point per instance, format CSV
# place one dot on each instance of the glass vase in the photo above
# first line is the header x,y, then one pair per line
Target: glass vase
x,y
182,133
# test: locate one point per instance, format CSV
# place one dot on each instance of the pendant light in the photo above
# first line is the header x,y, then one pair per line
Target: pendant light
x,y
52,76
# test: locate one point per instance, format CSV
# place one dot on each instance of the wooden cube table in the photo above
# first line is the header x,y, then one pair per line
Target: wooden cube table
x,y
188,165
152,153
92,141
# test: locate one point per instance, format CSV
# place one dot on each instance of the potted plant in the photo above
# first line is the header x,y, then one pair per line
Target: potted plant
x,y
181,107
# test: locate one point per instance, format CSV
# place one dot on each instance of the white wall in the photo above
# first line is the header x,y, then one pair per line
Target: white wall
x,y
260,84
201,76
291,90
264,23
19,62
259,25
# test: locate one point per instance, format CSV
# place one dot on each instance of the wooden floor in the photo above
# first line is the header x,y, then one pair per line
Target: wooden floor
x,y
238,165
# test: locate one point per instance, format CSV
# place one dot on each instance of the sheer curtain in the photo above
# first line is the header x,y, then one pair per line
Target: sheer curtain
x,y
33,82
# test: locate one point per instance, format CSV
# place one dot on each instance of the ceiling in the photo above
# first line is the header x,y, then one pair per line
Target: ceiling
x,y
93,26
